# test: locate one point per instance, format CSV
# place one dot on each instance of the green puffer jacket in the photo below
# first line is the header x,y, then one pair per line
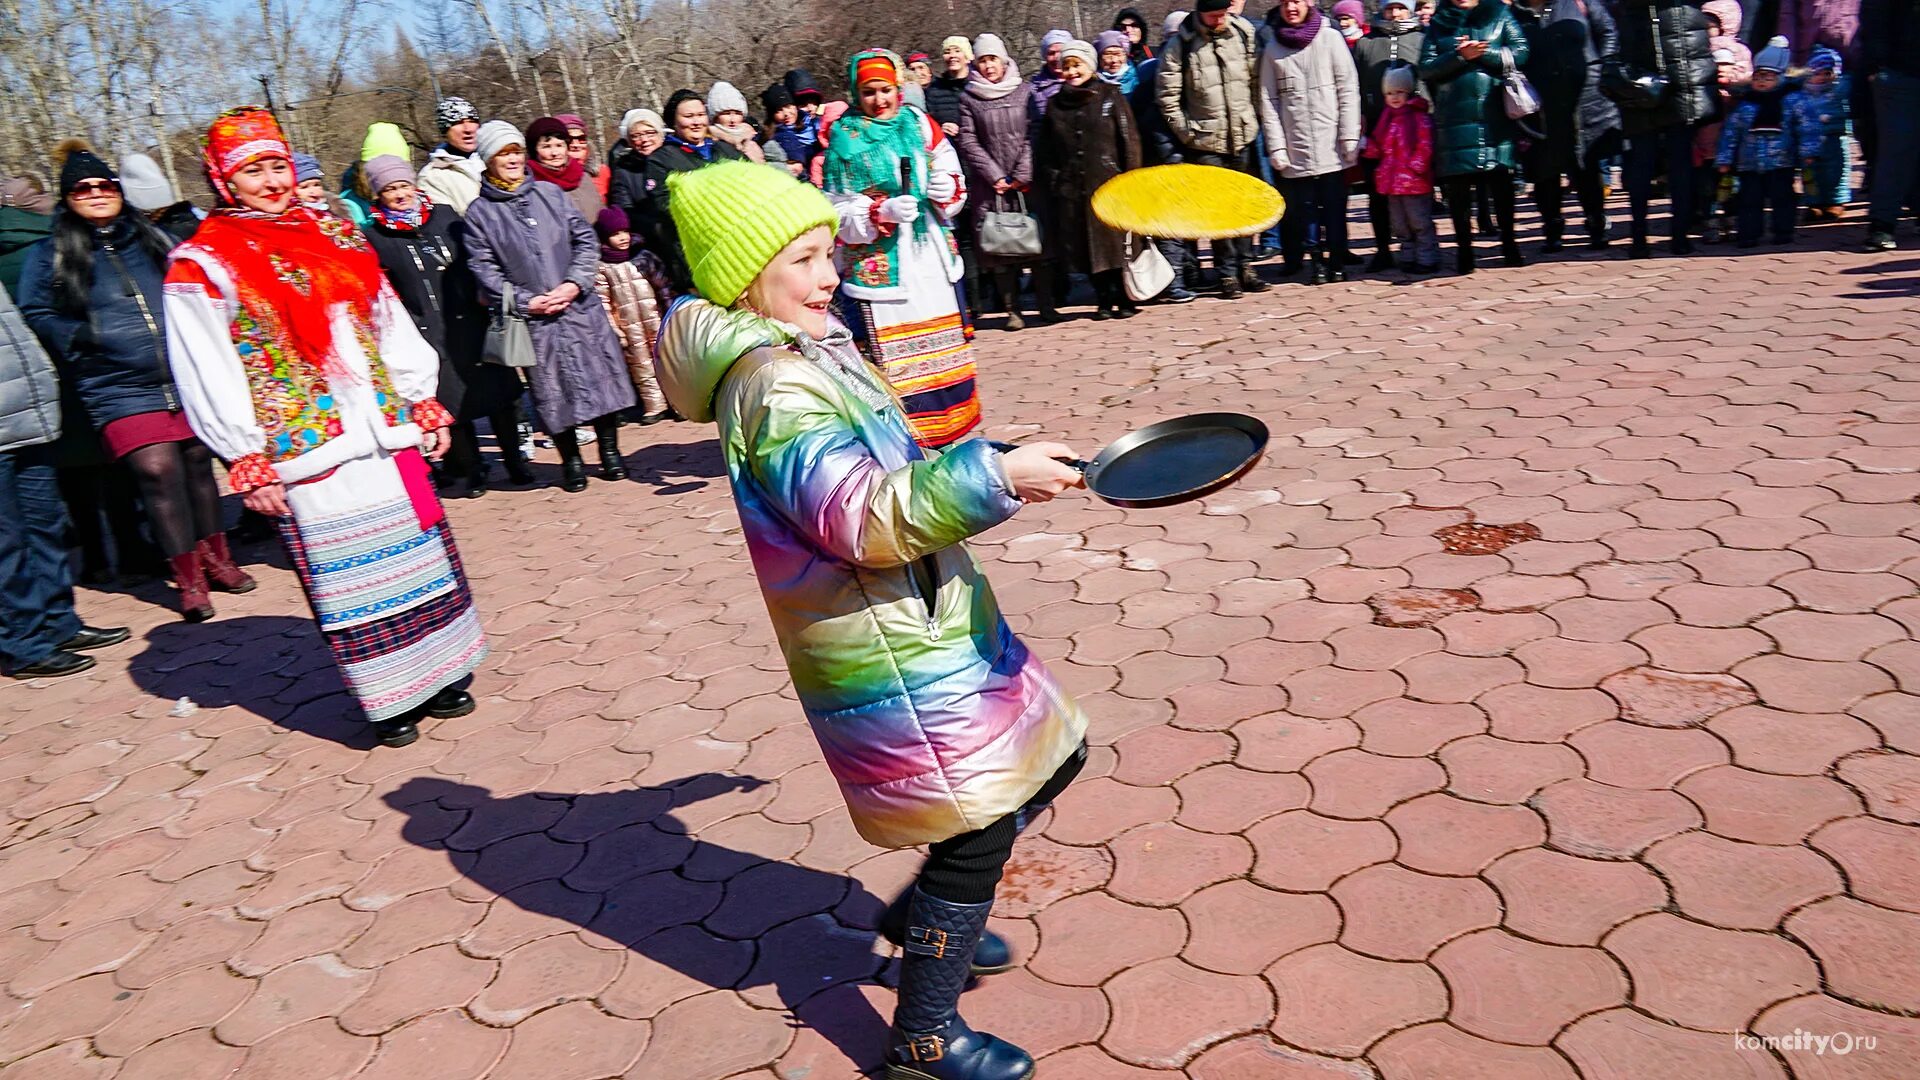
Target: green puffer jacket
x,y
1471,132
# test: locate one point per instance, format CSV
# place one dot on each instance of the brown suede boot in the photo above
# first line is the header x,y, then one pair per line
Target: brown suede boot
x,y
191,579
221,571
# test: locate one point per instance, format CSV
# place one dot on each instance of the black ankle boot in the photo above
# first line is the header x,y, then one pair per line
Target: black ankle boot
x,y
573,475
1510,253
1463,262
611,465
990,957
929,1040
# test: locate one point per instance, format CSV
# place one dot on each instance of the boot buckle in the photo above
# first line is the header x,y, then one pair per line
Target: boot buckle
x,y
926,941
926,1048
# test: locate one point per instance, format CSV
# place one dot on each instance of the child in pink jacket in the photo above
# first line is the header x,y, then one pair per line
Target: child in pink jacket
x,y
1402,141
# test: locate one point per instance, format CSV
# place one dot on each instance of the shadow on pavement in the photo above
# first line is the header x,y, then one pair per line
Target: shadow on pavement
x,y
274,666
620,865
676,468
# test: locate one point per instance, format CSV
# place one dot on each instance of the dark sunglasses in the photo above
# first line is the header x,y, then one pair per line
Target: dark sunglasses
x,y
93,187
579,139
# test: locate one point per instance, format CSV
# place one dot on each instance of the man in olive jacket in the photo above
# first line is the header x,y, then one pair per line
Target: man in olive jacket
x,y
40,636
1205,89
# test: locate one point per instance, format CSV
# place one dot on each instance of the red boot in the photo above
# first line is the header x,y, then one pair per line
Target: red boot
x,y
191,579
221,570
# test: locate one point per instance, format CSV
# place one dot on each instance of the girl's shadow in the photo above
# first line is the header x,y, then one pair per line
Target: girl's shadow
x,y
620,866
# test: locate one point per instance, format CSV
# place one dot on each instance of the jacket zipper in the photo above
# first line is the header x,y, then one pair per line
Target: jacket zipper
x,y
153,328
929,593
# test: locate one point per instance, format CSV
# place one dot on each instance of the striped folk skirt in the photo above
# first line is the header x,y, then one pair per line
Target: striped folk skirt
x,y
924,346
388,592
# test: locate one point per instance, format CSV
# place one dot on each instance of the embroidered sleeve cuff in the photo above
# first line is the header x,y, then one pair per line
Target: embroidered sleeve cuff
x,y
253,471
880,226
431,415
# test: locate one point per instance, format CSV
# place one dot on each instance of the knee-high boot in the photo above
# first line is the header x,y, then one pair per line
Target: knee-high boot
x,y
929,1040
606,432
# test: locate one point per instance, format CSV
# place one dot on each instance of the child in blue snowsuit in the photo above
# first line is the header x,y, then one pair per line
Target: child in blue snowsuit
x,y
1823,107
1761,146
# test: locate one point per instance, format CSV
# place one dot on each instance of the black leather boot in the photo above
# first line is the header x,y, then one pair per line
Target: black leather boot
x,y
990,957
607,434
929,1040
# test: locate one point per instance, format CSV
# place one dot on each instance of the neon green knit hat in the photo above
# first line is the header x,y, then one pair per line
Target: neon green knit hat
x,y
385,138
735,216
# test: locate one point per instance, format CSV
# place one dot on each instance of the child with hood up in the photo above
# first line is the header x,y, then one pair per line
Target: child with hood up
x,y
1823,103
938,724
1761,146
1402,142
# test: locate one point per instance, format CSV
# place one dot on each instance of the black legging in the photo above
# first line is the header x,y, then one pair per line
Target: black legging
x,y
1314,200
965,869
1549,195
1495,186
176,484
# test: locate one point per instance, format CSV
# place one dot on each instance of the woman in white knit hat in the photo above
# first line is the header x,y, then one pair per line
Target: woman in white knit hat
x,y
728,108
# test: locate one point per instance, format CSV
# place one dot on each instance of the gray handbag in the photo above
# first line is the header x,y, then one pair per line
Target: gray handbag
x,y
1009,233
509,341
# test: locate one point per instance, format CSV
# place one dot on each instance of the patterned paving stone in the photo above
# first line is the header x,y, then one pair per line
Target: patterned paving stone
x,y
1166,1011
1518,991
1335,1001
1707,978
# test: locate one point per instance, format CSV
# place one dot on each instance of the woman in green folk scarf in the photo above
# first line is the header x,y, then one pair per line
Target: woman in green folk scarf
x,y
894,178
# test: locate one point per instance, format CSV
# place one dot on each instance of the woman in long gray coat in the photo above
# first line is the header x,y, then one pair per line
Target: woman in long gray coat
x,y
527,234
997,154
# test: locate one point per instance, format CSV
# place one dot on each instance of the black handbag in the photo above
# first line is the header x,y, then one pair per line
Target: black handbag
x,y
1633,89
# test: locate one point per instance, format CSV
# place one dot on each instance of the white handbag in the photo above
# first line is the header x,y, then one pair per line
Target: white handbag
x,y
1518,91
1148,272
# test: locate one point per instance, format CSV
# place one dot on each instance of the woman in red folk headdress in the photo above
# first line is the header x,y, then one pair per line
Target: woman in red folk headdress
x,y
299,366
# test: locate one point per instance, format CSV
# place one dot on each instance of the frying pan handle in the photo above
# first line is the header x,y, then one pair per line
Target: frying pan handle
x,y
1007,448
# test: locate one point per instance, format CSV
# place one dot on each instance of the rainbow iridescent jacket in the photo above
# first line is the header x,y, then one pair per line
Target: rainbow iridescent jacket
x,y
934,719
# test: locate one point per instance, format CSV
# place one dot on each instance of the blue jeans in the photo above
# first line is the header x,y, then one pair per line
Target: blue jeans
x,y
36,585
1896,102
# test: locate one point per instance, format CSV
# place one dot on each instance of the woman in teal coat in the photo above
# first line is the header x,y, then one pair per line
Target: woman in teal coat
x,y
1471,45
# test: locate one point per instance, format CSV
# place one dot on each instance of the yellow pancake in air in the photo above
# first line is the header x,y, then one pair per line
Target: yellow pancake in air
x,y
1188,202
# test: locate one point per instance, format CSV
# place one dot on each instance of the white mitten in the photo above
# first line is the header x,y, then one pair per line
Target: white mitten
x,y
900,210
942,187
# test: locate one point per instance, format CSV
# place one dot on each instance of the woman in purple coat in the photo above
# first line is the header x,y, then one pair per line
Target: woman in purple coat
x,y
527,234
998,157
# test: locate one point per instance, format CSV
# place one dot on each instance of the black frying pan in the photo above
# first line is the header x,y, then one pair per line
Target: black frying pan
x,y
1174,461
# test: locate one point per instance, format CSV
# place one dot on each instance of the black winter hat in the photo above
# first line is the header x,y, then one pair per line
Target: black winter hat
x,y
1206,6
77,161
776,97
802,85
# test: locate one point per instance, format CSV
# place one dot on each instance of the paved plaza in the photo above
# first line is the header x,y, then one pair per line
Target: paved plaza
x,y
1546,705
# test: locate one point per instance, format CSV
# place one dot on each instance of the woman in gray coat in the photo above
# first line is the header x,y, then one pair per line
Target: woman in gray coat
x,y
527,234
998,157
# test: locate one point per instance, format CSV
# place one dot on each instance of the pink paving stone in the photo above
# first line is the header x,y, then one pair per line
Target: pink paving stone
x,y
1812,635
1445,678
1444,835
1675,699
1334,1001
1633,581
1394,913
1259,1057
1868,954
1229,799
1354,584
1239,928
301,991
1095,811
1218,706
1482,633
574,1042
1769,740
1586,818
1166,1011
1403,728
1161,755
1707,978
1901,659
1420,607
1897,1038
71,1010
1734,567
443,1046
1303,851
1636,756
315,1050
191,999
1486,769
1857,554
1740,886
190,1055
1355,784
1264,665
100,948
1695,649
1621,1042
1444,1052
546,972
1881,859
1889,782
416,922
1089,938
1829,591
1284,742
674,965
1566,900
1091,1063
1378,648
1329,692
1163,863
414,985
1585,618
1527,713
1518,991
1042,872
1700,604
69,1061
1762,808
1564,664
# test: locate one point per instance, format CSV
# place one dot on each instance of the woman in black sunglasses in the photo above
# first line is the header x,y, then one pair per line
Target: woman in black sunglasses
x,y
1133,24
91,291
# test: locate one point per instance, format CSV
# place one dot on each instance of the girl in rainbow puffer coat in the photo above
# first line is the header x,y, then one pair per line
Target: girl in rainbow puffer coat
x,y
939,725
